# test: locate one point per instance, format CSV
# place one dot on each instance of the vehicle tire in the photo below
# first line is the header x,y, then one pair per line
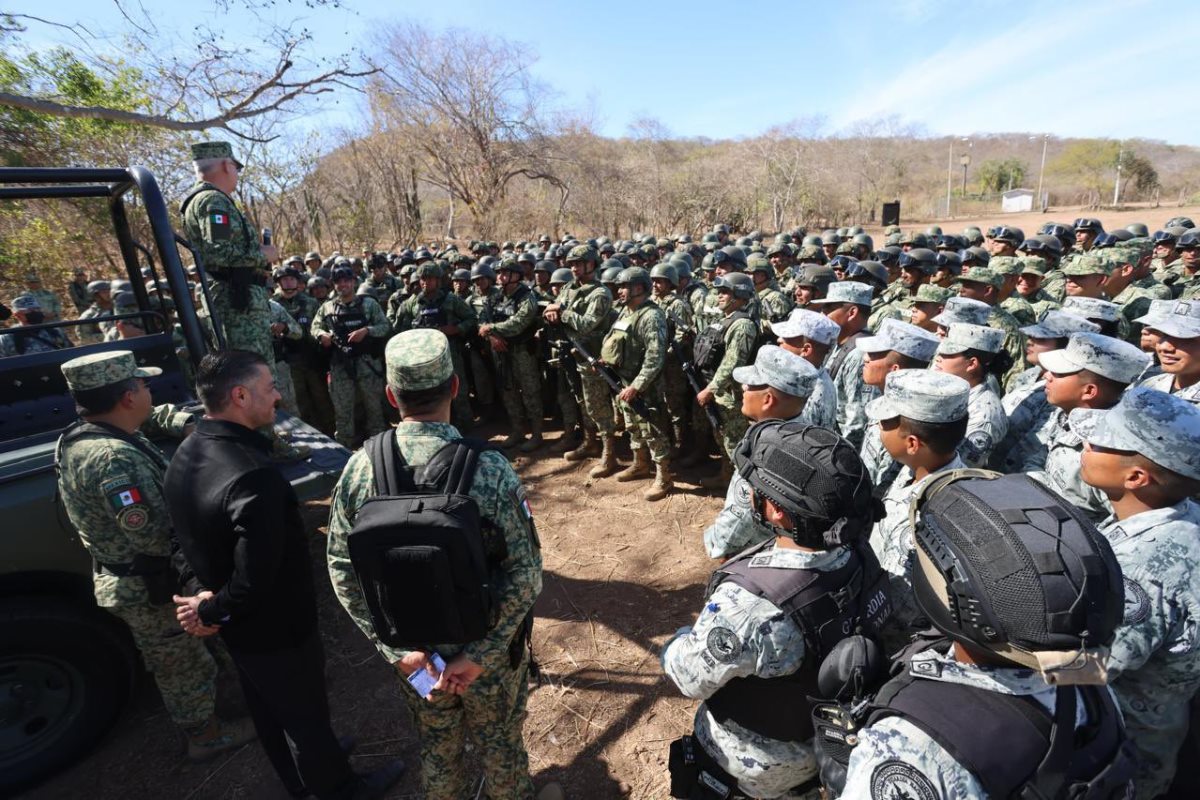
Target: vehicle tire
x,y
65,672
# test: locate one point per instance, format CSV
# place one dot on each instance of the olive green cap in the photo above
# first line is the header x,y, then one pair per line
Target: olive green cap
x,y
1087,265
96,370
418,359
206,150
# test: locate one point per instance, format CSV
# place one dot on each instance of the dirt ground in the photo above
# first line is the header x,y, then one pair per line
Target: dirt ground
x,y
620,576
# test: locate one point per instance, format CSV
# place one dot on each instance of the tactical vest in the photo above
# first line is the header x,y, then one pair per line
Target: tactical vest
x,y
578,301
431,316
346,320
505,308
826,606
709,348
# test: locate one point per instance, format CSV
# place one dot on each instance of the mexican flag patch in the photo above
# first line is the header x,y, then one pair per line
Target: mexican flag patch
x,y
220,219
125,497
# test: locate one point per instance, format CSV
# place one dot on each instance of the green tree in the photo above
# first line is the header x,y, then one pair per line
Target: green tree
x,y
1090,163
997,175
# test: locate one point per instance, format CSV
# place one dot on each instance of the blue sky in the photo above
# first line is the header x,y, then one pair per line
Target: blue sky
x,y
1112,68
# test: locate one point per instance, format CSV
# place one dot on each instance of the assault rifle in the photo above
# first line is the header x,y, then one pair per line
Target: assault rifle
x,y
610,376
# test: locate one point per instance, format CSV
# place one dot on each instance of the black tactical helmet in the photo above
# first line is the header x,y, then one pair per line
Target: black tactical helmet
x,y
1188,241
919,258
1180,222
527,258
545,266
461,275
343,273
610,274
1041,582
814,475
742,286
284,272
317,282
1138,229
482,270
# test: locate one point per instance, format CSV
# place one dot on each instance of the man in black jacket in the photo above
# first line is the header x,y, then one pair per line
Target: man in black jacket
x,y
239,528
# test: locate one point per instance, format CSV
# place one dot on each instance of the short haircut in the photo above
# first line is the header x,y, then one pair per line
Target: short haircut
x,y
940,437
422,401
1111,390
1176,487
221,371
907,362
204,166
101,400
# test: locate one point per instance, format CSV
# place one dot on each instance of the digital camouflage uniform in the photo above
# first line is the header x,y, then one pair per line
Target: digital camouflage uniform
x,y
821,406
773,304
1165,382
1063,452
283,371
307,364
1014,341
636,347
444,308
355,377
585,309
756,639
987,425
51,305
1030,422
740,339
514,318
112,492
493,708
13,343
678,392
896,760
880,466
852,393
94,333
478,355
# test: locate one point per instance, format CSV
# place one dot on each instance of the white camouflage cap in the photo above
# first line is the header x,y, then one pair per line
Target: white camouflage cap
x,y
1056,324
779,369
1091,308
902,337
846,292
1160,426
963,309
962,336
809,324
1179,318
1104,355
924,395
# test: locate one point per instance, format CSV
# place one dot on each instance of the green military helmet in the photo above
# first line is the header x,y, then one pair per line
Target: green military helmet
x,y
483,270
583,253
317,282
843,233
509,246
830,237
706,263
812,240
854,230
430,269
665,271
527,258
972,235
740,285
893,239
634,275
744,241
783,238
544,266
846,249
1138,229
603,240
682,257
913,238
95,287
592,243
890,229
933,230
710,238
865,240
510,264
561,276
461,275
610,274
758,263
779,249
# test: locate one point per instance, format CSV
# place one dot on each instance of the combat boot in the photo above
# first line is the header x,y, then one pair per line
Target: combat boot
x,y
514,438
721,479
535,437
663,482
640,468
590,448
216,736
608,459
698,453
566,443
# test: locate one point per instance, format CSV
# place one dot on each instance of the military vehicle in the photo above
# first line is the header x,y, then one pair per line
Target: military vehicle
x,y
67,666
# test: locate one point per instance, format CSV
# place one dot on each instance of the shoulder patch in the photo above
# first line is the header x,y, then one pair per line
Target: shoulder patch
x,y
133,518
724,645
521,502
219,226
1137,602
895,780
124,496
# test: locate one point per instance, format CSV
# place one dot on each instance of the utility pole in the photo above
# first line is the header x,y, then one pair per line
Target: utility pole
x,y
1117,185
1042,172
949,176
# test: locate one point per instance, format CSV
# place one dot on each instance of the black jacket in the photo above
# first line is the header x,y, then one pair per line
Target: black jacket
x,y
239,529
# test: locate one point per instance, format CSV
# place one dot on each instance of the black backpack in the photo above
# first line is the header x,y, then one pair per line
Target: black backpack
x,y
418,548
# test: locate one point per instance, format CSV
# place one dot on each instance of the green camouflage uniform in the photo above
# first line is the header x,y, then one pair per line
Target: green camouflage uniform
x,y
896,303
307,364
355,377
517,367
283,371
93,334
676,390
479,357
1020,309
385,289
740,339
444,308
1041,303
493,708
1134,301
227,242
585,310
112,492
636,347
13,343
774,305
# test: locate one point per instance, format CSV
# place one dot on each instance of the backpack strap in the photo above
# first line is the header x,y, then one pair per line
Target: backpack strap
x,y
392,475
452,468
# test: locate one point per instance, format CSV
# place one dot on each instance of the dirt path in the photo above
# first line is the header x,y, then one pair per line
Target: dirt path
x,y
620,576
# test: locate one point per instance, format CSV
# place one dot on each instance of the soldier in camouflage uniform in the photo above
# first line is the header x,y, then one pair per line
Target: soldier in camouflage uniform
x,y
28,311
353,329
381,280
972,352
52,306
720,348
483,292
811,336
305,361
1132,287
1010,269
110,480
848,304
1029,286
284,329
1178,350
782,259
434,307
1147,449
101,306
741,635
482,692
1188,285
774,304
679,330
636,348
583,307
779,385
1164,261
509,320
982,284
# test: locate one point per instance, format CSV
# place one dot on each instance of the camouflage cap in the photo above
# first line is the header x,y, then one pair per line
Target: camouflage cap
x,y
781,370
980,275
206,150
1005,266
930,293
809,324
418,359
1092,308
26,302
963,336
1088,265
1160,426
853,292
1057,324
1104,355
963,309
1179,318
103,369
1033,265
924,395
903,338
